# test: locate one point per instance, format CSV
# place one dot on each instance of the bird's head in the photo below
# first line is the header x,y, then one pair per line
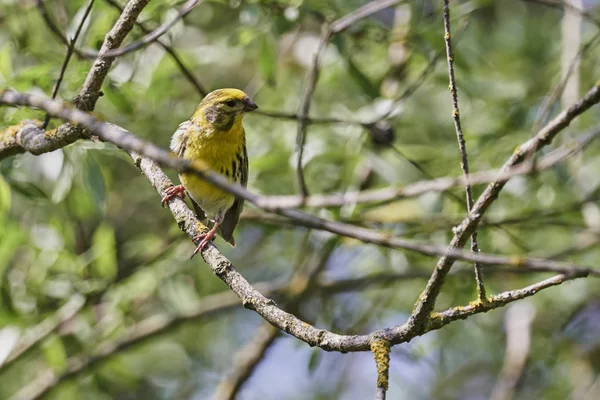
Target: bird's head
x,y
223,107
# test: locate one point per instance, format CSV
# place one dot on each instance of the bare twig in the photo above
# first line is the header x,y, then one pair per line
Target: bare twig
x,y
184,70
154,35
313,75
309,120
58,33
496,301
462,148
70,49
93,83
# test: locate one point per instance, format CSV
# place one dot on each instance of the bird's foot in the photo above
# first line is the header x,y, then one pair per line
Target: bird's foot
x,y
206,238
173,191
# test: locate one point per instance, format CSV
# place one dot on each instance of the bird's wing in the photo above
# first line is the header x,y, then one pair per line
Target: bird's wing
x,y
180,138
232,216
198,210
178,146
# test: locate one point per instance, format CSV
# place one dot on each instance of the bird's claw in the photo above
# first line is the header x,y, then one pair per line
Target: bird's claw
x,y
206,238
173,191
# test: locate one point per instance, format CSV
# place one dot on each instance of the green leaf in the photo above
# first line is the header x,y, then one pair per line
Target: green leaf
x,y
355,73
105,253
4,196
27,189
119,99
94,181
267,60
55,353
315,358
6,69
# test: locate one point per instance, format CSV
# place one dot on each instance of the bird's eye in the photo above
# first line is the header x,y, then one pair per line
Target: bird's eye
x,y
230,103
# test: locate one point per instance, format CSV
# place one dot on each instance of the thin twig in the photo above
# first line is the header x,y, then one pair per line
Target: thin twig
x,y
65,63
304,109
313,75
58,33
154,35
439,319
93,82
171,51
462,147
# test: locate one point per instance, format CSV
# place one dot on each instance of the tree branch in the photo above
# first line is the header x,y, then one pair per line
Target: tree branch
x,y
462,148
127,141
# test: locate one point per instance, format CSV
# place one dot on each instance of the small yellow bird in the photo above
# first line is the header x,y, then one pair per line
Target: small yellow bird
x,y
215,135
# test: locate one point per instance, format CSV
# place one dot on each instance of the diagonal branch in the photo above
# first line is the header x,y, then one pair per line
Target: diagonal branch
x,y
426,302
461,143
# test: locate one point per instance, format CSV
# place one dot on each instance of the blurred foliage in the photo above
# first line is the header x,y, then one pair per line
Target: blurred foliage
x,y
83,219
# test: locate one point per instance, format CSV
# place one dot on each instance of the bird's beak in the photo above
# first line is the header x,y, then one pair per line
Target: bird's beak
x,y
249,105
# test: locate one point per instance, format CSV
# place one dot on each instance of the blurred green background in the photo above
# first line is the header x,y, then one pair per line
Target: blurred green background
x,y
83,220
